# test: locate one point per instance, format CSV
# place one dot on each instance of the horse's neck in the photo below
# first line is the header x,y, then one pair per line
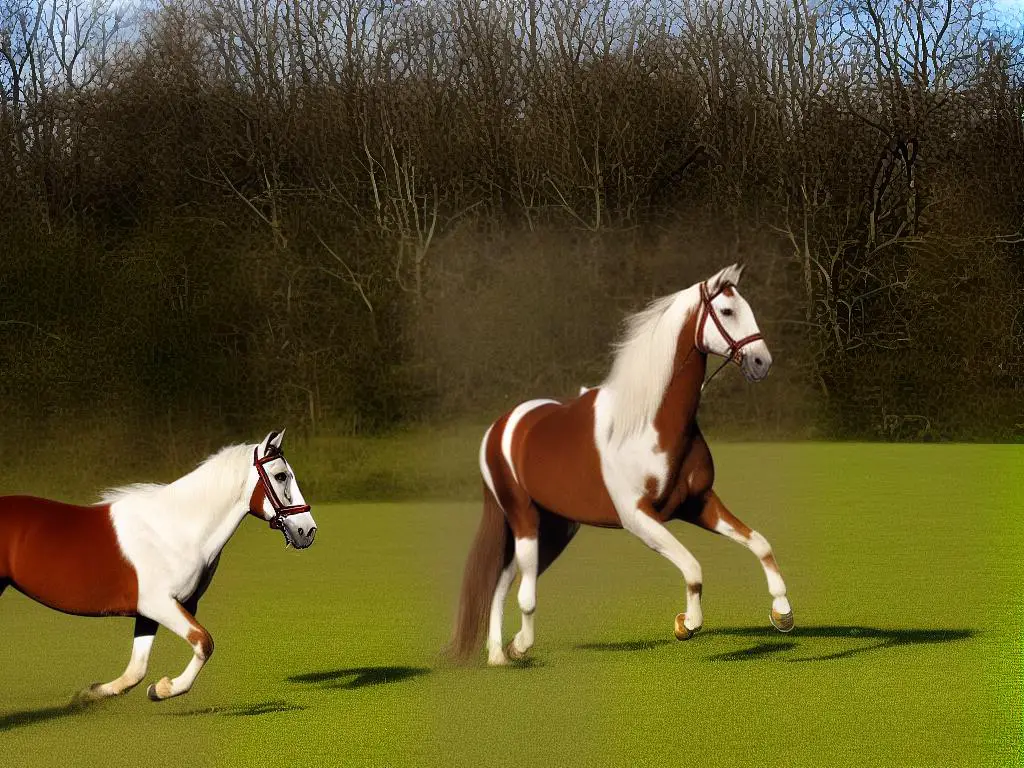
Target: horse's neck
x,y
213,518
676,420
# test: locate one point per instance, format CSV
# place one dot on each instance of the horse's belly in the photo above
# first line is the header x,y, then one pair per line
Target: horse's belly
x,y
68,558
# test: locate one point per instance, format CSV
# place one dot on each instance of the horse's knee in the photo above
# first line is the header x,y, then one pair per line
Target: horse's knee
x,y
694,575
759,545
201,642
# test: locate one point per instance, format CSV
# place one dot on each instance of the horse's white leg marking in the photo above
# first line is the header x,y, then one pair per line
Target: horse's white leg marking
x,y
170,614
133,674
495,652
510,428
527,558
657,537
759,545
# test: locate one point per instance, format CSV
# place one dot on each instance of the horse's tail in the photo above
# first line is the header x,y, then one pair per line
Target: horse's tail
x,y
490,553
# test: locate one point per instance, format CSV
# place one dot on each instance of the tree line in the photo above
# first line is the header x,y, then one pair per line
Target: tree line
x,y
361,214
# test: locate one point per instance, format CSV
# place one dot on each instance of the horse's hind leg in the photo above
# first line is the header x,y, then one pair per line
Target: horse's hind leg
x,y
525,524
713,515
145,630
495,652
533,555
555,534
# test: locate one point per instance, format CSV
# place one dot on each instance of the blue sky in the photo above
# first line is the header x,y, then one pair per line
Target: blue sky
x,y
1011,6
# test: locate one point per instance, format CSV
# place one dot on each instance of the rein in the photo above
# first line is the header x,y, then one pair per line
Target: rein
x,y
734,345
281,510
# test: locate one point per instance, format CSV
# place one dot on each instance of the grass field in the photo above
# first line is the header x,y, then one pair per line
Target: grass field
x,y
904,566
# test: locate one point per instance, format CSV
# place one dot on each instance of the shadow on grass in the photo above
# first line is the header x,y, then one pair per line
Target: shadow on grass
x,y
252,710
773,643
626,645
12,720
359,677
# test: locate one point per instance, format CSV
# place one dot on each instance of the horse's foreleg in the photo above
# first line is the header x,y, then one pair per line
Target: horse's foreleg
x,y
145,629
641,522
175,617
714,516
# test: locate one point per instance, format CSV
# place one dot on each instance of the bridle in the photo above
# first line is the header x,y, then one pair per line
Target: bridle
x,y
281,510
734,345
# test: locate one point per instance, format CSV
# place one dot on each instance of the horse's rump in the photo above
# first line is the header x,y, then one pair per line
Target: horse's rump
x,y
65,556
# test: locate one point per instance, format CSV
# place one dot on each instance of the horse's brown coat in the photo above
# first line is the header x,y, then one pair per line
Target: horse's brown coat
x,y
66,557
559,468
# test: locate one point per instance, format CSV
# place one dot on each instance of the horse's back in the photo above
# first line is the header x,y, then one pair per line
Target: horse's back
x,y
65,556
559,464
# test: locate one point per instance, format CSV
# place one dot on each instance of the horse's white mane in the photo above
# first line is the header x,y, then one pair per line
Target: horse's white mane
x,y
644,356
642,366
220,474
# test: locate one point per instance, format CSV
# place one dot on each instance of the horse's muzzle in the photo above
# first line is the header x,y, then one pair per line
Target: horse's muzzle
x,y
756,361
299,530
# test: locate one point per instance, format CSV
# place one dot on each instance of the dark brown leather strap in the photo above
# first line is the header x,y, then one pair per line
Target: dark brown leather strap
x,y
707,311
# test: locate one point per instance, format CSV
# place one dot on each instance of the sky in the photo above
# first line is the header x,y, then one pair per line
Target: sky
x,y
1012,7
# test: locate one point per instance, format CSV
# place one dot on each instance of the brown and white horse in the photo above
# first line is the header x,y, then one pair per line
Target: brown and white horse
x,y
149,550
627,454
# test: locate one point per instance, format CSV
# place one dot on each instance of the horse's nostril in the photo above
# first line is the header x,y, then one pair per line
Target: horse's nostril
x,y
312,532
758,361
301,531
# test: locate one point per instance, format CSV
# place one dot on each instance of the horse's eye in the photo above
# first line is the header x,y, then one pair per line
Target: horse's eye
x,y
727,312
281,477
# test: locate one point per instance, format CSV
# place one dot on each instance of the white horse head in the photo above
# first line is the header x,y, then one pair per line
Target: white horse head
x,y
727,326
277,496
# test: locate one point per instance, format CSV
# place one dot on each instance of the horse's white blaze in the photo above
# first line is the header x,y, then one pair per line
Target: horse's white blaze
x,y
510,429
495,652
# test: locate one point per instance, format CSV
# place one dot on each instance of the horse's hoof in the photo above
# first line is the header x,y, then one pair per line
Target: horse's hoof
x,y
514,653
782,621
683,632
160,690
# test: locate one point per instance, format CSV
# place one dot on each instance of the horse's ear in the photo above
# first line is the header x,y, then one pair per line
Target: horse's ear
x,y
271,443
728,276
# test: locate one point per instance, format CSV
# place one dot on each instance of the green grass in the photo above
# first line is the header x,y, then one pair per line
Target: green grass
x,y
903,564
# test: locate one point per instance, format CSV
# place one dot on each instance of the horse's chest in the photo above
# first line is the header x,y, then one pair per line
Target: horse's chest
x,y
687,475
